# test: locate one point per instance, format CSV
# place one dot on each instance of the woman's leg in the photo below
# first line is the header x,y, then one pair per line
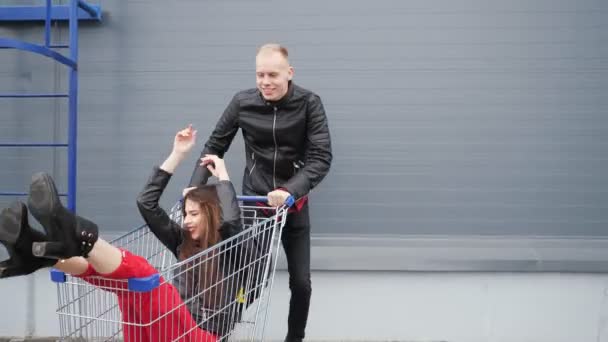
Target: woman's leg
x,y
103,258
76,266
162,314
157,315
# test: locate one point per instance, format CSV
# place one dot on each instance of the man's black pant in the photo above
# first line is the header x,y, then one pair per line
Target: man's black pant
x,y
296,242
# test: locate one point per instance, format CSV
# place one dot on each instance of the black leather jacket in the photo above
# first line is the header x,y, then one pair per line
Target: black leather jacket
x,y
169,232
171,235
287,143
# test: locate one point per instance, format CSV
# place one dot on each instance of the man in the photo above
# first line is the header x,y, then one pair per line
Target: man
x,y
288,152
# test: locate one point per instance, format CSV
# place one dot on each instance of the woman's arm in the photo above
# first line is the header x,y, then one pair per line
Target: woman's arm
x,y
157,219
230,223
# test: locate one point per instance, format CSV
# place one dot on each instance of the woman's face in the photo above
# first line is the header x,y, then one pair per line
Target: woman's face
x,y
194,221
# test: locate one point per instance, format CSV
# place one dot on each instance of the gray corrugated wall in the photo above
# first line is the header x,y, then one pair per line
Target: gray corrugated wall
x,y
448,117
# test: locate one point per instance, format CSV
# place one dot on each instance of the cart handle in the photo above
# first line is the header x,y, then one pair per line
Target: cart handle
x,y
288,202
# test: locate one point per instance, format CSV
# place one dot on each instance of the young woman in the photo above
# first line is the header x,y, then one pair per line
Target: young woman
x,y
211,213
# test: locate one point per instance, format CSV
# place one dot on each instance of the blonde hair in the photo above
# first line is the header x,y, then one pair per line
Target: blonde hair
x,y
275,48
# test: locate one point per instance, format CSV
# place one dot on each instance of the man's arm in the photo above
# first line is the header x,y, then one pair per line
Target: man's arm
x,y
318,154
218,142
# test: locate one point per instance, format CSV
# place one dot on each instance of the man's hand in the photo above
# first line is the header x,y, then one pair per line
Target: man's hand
x,y
277,198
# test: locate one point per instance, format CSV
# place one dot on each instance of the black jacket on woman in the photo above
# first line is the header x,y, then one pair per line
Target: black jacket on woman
x,y
172,236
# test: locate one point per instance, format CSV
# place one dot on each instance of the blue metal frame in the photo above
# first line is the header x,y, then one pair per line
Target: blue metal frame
x,y
6,43
76,10
59,12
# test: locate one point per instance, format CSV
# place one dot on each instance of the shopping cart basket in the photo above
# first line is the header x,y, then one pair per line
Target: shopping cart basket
x,y
231,296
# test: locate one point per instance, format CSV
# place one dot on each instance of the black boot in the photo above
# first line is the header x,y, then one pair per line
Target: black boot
x,y
17,236
69,235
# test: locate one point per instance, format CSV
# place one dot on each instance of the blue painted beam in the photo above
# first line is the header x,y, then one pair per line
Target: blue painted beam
x,y
73,106
6,43
93,12
59,12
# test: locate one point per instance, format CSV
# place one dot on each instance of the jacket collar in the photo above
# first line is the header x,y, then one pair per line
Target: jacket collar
x,y
283,100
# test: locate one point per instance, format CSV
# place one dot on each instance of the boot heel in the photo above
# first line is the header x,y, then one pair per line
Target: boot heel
x,y
10,223
7,269
53,250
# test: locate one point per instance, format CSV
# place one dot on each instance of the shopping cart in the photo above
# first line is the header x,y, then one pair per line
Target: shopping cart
x,y
231,296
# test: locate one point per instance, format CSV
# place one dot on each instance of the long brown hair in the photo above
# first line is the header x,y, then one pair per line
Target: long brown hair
x,y
203,272
206,197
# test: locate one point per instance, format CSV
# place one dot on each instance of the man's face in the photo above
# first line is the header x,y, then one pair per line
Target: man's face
x,y
272,74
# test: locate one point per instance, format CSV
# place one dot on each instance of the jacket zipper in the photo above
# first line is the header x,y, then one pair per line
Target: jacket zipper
x,y
254,163
274,160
